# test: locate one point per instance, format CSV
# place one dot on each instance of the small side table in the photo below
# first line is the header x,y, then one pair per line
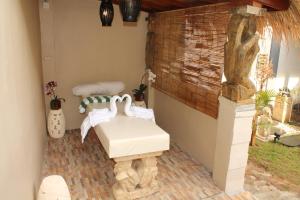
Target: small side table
x,y
140,104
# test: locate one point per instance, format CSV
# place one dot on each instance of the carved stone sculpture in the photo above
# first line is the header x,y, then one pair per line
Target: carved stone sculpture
x,y
147,171
240,52
126,175
264,122
136,176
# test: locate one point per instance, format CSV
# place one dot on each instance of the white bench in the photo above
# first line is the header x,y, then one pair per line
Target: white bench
x,y
134,144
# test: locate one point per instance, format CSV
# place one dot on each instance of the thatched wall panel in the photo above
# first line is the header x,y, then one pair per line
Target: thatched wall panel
x,y
189,54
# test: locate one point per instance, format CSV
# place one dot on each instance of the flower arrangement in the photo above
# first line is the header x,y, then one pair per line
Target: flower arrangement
x,y
139,93
55,103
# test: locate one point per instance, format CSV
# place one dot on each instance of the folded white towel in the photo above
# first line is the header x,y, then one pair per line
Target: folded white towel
x,y
97,116
100,115
142,113
134,111
93,119
85,127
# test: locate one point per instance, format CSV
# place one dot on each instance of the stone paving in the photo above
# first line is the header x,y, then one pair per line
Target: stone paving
x,y
264,186
89,173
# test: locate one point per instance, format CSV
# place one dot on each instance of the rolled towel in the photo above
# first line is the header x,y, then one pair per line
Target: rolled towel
x,y
104,88
92,100
143,113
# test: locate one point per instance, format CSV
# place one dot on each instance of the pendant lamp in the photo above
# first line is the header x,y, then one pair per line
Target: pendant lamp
x,y
106,12
130,9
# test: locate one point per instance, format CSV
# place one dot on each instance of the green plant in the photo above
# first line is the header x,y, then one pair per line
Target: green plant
x,y
277,159
263,98
139,92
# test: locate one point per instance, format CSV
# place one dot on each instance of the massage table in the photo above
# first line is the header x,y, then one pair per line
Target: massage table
x,y
133,144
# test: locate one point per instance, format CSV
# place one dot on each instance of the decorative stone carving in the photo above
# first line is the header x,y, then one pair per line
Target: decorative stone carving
x,y
136,177
240,52
126,176
265,122
147,171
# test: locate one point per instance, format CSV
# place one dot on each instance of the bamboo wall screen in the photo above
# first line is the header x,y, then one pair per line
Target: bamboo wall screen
x,y
185,49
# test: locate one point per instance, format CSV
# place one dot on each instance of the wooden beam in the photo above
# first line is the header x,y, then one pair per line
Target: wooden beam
x,y
275,4
269,4
166,5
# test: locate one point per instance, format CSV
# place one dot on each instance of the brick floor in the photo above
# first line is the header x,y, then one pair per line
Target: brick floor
x,y
89,173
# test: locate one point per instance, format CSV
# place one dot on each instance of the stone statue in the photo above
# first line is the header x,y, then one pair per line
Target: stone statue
x,y
135,180
147,171
265,122
126,176
240,52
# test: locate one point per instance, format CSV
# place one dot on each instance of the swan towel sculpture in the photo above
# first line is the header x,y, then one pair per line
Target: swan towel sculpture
x,y
97,116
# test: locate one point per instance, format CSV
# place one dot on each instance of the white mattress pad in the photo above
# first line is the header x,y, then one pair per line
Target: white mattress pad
x,y
128,136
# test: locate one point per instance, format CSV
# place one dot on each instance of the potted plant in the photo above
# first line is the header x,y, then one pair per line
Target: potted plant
x,y
263,98
56,118
55,103
139,93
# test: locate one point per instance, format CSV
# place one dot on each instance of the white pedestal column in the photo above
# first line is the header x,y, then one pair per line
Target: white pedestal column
x,y
233,137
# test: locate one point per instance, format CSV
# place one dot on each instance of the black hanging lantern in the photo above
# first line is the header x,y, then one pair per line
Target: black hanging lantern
x,y
130,9
106,12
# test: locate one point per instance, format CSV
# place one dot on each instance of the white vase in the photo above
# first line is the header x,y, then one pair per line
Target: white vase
x,y
56,123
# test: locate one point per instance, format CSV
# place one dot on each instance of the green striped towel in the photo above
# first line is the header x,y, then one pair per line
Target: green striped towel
x,y
92,100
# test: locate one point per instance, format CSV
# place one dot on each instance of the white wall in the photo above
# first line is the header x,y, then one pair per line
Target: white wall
x,y
289,60
22,119
77,50
289,65
192,130
288,74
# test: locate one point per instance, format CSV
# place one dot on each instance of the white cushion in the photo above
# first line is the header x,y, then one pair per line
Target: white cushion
x,y
127,136
100,88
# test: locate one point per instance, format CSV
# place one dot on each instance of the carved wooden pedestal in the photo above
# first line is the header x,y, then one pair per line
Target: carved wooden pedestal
x,y
136,176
